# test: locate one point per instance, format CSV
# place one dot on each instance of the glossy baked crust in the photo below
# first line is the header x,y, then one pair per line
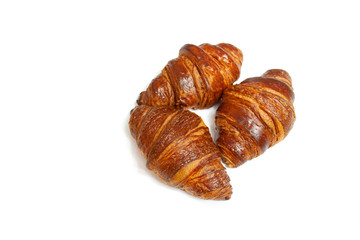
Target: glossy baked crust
x,y
179,150
254,115
196,79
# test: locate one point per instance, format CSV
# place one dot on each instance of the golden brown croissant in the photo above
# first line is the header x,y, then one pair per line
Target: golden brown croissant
x,y
180,151
254,115
196,79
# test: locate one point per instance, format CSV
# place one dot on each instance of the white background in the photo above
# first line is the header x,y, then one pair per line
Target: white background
x,y
71,71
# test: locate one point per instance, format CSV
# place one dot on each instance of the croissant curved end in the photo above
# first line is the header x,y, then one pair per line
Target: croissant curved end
x,y
279,74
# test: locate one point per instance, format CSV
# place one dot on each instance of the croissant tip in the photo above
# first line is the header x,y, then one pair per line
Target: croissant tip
x,y
227,195
224,194
279,74
139,101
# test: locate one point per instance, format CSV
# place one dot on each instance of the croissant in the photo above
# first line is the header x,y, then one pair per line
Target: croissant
x,y
180,151
254,115
196,79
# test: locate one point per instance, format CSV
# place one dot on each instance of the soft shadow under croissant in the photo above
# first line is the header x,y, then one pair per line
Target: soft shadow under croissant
x,y
179,150
254,115
196,79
